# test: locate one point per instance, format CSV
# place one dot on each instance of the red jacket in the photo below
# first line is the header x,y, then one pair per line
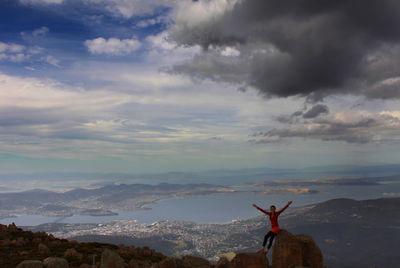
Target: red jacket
x,y
274,218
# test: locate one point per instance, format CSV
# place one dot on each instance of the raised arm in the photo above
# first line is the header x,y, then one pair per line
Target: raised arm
x,y
285,207
260,209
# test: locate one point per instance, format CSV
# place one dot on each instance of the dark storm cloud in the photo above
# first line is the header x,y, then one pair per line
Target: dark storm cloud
x,y
316,111
295,117
310,48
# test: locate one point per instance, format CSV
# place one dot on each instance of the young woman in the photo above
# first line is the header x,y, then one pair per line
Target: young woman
x,y
273,217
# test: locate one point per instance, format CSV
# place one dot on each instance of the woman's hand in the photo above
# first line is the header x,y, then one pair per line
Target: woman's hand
x,y
254,205
290,202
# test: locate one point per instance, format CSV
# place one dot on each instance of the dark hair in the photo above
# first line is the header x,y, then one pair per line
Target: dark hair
x,y
273,207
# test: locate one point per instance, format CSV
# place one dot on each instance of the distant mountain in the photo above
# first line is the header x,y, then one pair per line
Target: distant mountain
x,y
99,200
353,233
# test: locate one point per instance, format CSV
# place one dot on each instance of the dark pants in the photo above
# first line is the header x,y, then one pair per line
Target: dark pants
x,y
271,236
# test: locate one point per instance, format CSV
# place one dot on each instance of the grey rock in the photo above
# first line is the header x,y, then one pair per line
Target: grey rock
x,y
55,262
30,264
110,259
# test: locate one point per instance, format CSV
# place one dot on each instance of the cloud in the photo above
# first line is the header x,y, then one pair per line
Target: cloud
x,y
164,51
40,32
112,46
129,8
45,117
25,116
292,48
313,112
163,19
45,110
19,53
348,126
51,60
37,33
316,111
118,8
13,52
38,2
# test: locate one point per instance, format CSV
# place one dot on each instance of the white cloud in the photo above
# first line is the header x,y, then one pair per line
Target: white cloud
x,y
118,8
11,47
53,61
162,19
51,116
190,14
112,46
40,32
13,52
41,1
129,8
165,51
230,52
394,114
18,53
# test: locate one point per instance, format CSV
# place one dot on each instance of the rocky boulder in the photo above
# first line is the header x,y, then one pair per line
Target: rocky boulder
x,y
249,260
72,254
30,264
168,263
12,228
291,251
223,263
43,250
55,262
195,262
110,259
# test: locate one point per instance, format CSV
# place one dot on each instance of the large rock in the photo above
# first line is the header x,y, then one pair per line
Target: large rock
x,y
3,228
223,263
72,254
110,259
43,250
229,256
249,260
168,263
141,264
12,228
312,255
30,264
291,251
55,262
195,262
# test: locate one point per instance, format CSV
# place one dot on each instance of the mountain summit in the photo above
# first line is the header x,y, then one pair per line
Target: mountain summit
x,y
26,249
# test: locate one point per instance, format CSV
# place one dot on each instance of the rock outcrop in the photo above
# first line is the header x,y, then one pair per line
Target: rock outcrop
x,y
195,262
43,250
223,263
244,260
110,259
291,251
30,264
72,254
55,262
249,260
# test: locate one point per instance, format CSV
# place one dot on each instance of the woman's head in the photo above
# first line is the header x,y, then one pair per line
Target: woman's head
x,y
272,208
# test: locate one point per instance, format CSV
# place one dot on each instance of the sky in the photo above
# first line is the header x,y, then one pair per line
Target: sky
x,y
176,85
